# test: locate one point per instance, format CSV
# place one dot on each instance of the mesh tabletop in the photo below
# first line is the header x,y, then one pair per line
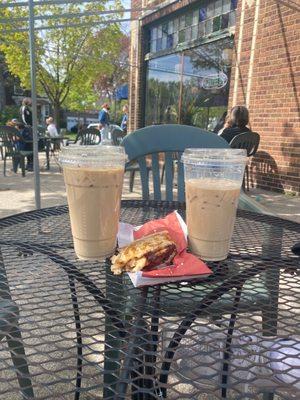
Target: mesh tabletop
x,y
90,335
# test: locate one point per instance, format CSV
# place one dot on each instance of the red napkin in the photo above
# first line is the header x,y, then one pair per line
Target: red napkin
x,y
184,264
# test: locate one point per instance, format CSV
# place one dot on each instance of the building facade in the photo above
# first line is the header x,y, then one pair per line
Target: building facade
x,y
192,60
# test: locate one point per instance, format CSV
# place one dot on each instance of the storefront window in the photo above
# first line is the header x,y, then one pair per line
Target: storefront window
x,y
189,87
205,84
211,16
162,90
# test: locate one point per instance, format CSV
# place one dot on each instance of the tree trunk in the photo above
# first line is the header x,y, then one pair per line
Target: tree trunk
x,y
56,114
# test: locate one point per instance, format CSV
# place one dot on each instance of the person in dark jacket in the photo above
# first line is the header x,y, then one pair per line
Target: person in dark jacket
x,y
23,141
238,121
26,113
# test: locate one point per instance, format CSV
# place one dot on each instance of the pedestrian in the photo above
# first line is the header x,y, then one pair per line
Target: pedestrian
x,y
104,116
236,124
26,112
51,127
124,122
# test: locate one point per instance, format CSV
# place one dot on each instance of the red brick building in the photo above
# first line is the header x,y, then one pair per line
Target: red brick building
x,y
191,60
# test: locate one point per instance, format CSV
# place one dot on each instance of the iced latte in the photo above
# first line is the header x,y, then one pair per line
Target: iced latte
x,y
94,189
211,209
213,179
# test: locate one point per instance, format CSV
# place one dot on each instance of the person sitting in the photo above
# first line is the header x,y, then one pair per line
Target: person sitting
x,y
23,141
51,128
236,124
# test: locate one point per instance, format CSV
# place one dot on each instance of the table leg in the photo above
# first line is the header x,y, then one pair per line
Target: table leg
x,y
78,336
133,355
227,352
150,356
113,341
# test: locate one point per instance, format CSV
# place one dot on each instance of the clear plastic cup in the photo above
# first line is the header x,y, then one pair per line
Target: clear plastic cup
x,y
213,180
94,180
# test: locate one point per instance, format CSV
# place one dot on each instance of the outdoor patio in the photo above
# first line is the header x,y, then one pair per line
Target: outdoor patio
x,y
188,288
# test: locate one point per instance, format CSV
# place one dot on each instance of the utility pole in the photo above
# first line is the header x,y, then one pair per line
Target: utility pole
x,y
36,166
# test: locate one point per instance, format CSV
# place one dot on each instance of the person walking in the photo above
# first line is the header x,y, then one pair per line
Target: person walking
x,y
26,112
104,116
124,122
236,124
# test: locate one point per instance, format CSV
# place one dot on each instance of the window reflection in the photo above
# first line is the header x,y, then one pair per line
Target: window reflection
x,y
205,84
190,88
163,87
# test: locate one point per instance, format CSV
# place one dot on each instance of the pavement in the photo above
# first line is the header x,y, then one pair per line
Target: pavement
x,y
17,193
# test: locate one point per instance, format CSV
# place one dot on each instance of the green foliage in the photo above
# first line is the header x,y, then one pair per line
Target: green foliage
x,y
8,113
68,60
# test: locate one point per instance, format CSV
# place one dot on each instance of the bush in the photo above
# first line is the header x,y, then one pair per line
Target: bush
x,y
8,113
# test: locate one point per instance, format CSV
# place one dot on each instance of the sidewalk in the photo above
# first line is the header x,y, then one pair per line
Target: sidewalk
x,y
17,195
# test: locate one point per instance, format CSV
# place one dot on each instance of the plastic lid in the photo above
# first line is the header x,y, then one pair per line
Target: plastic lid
x,y
200,156
92,156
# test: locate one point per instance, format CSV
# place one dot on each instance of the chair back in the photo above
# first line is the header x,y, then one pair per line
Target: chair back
x,y
147,143
88,136
248,141
7,137
117,135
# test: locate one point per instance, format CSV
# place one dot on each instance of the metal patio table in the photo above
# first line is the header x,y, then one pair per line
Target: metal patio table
x,y
88,334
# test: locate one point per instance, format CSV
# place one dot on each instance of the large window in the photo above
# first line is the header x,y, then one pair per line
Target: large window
x,y
209,17
163,89
190,87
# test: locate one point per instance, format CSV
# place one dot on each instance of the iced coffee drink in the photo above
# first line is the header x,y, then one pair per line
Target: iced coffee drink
x,y
94,188
211,209
213,180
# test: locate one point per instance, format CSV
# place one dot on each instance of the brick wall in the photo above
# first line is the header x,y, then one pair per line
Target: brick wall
x,y
269,86
271,90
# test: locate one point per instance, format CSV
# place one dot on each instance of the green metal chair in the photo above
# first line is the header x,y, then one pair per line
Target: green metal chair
x,y
9,329
8,136
88,137
170,140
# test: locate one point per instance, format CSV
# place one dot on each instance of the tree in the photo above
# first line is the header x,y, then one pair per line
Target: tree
x,y
106,83
68,60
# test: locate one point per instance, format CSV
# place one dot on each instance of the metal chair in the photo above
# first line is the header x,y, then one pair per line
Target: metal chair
x,y
117,135
250,142
168,139
8,136
88,137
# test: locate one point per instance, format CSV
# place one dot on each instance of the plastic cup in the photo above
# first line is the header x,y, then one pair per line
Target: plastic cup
x,y
94,179
213,180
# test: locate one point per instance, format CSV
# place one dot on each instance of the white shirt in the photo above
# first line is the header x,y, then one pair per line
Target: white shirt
x,y
51,129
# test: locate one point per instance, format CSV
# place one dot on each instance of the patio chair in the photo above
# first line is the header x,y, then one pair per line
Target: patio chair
x,y
117,135
170,139
9,329
7,135
250,142
88,137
